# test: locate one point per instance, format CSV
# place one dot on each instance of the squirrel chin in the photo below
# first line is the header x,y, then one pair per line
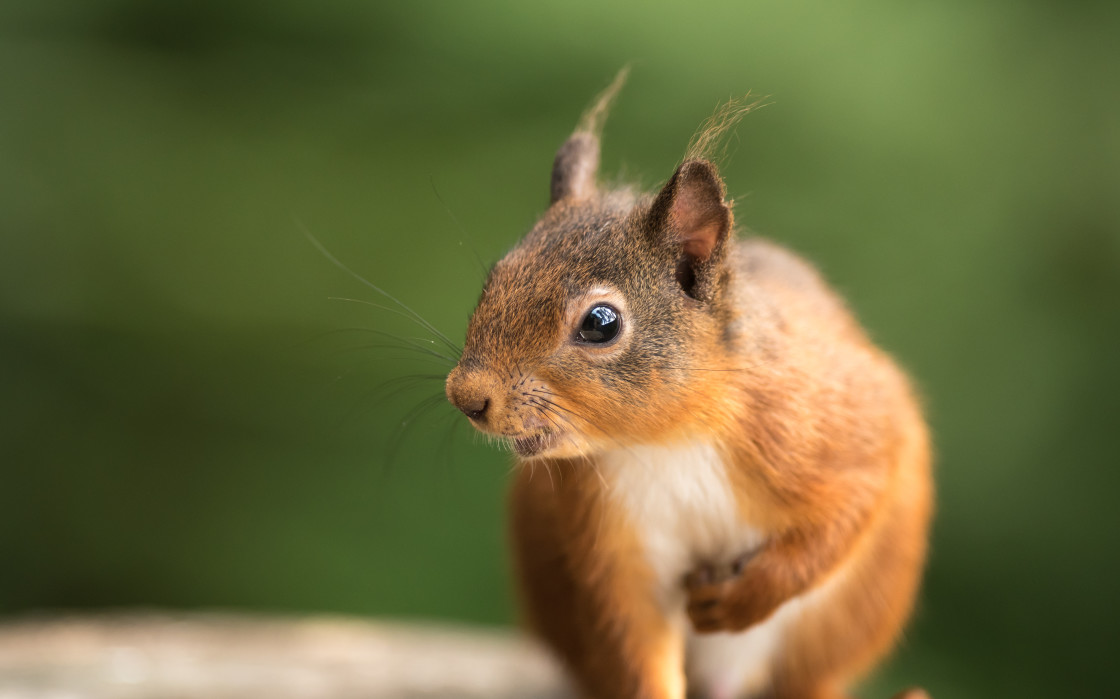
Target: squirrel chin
x,y
550,445
537,444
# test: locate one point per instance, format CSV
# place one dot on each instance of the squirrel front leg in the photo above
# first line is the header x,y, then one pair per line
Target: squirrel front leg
x,y
585,592
746,592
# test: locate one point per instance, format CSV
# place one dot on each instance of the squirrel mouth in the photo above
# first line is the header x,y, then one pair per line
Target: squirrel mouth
x,y
533,444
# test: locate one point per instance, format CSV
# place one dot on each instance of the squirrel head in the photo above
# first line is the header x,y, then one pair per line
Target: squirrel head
x,y
599,329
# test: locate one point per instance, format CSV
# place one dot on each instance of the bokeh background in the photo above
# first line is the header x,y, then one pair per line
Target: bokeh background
x,y
188,419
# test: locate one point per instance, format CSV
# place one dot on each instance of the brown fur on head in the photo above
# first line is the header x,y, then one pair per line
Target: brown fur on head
x,y
657,261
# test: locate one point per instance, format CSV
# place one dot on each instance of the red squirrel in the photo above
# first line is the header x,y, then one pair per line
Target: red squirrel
x,y
725,487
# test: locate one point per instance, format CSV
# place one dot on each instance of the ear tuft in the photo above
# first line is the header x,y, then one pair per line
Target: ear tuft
x,y
691,215
577,161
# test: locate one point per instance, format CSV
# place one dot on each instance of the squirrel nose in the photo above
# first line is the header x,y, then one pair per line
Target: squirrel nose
x,y
475,408
465,393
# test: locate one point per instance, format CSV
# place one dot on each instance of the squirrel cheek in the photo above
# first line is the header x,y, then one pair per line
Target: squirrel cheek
x,y
531,420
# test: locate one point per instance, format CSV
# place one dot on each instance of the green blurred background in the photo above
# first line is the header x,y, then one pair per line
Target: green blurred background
x,y
187,420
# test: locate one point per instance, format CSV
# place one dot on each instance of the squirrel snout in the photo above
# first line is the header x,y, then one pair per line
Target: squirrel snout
x,y
475,408
468,396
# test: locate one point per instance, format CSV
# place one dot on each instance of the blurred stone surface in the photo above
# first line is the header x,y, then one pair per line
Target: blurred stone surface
x,y
225,656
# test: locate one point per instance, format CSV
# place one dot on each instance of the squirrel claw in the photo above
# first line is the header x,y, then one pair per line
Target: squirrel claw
x,y
708,574
701,576
740,563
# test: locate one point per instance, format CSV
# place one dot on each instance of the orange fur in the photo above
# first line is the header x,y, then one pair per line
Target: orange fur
x,y
739,348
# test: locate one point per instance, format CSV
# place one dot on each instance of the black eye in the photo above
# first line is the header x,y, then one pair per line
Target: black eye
x,y
601,324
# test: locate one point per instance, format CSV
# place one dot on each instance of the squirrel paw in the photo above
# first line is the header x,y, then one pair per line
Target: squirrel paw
x,y
711,605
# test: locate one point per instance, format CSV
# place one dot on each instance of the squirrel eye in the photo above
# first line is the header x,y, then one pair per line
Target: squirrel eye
x,y
601,324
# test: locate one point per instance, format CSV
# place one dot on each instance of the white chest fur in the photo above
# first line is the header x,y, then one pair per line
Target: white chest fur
x,y
682,506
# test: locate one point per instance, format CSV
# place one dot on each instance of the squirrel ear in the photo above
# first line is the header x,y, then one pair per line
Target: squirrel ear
x,y
575,167
690,214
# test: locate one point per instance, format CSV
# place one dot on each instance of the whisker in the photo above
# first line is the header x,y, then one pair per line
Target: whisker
x,y
549,414
417,343
460,226
406,423
327,333
445,450
598,472
566,409
581,417
549,472
584,418
448,425
405,382
416,317
398,384
443,360
394,311
693,368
